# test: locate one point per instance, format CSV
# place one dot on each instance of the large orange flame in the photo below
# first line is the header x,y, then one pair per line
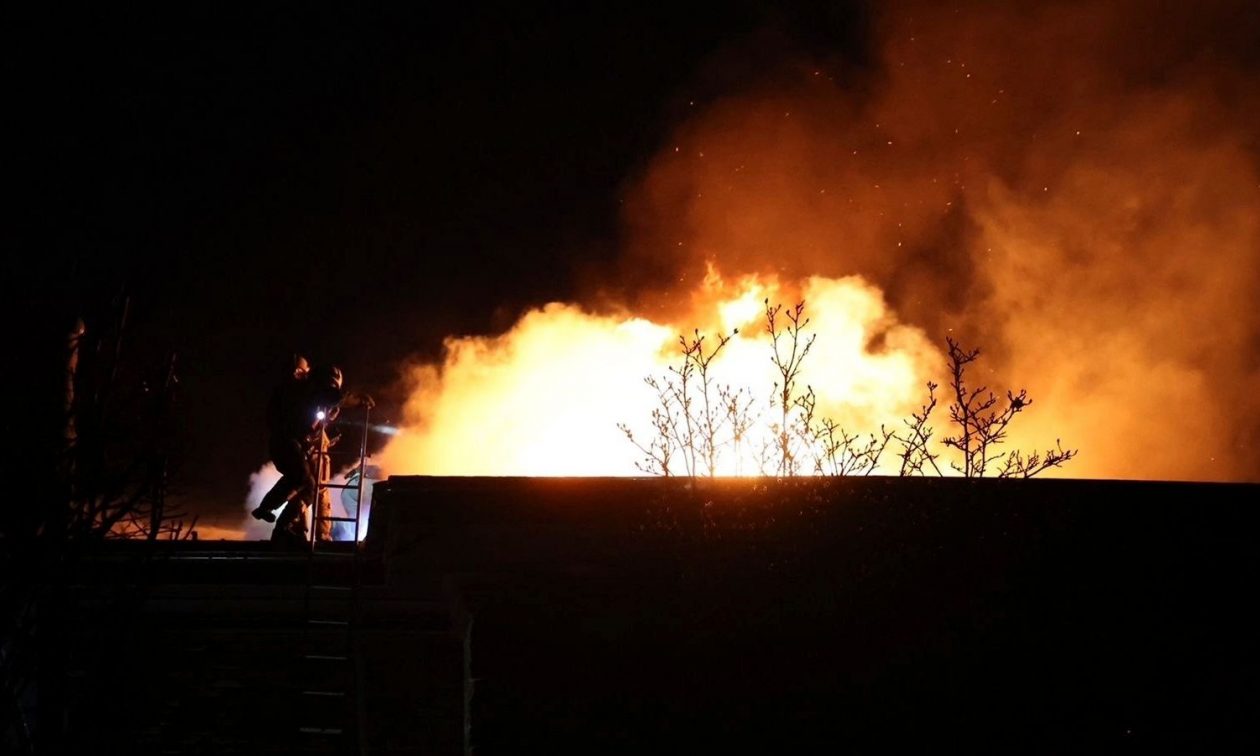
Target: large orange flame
x,y
546,397
1071,186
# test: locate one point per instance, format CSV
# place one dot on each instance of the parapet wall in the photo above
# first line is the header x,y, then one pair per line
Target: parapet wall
x,y
653,615
459,524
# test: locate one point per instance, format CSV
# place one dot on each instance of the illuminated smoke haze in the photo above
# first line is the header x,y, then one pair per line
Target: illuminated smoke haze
x,y
1071,186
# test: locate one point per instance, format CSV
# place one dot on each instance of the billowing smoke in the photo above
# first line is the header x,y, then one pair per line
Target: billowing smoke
x,y
343,505
260,482
1072,186
243,527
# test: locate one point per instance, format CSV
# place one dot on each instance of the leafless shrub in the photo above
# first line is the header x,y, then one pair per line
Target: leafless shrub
x,y
790,344
119,437
916,439
982,420
835,451
844,454
737,408
691,414
709,416
1017,465
658,450
695,420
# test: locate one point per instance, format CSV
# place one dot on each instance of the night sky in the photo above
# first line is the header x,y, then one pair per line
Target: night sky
x,y
354,184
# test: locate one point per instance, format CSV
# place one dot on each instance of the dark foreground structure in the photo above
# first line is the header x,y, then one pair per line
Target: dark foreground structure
x,y
658,616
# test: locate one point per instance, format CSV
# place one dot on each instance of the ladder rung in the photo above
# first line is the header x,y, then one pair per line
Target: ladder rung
x,y
333,587
338,554
328,693
326,657
340,623
340,485
336,519
320,730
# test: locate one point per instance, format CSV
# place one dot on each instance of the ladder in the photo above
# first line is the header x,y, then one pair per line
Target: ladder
x,y
331,706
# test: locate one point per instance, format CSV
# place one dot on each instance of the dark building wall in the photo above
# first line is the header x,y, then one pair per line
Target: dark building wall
x,y
201,647
629,615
